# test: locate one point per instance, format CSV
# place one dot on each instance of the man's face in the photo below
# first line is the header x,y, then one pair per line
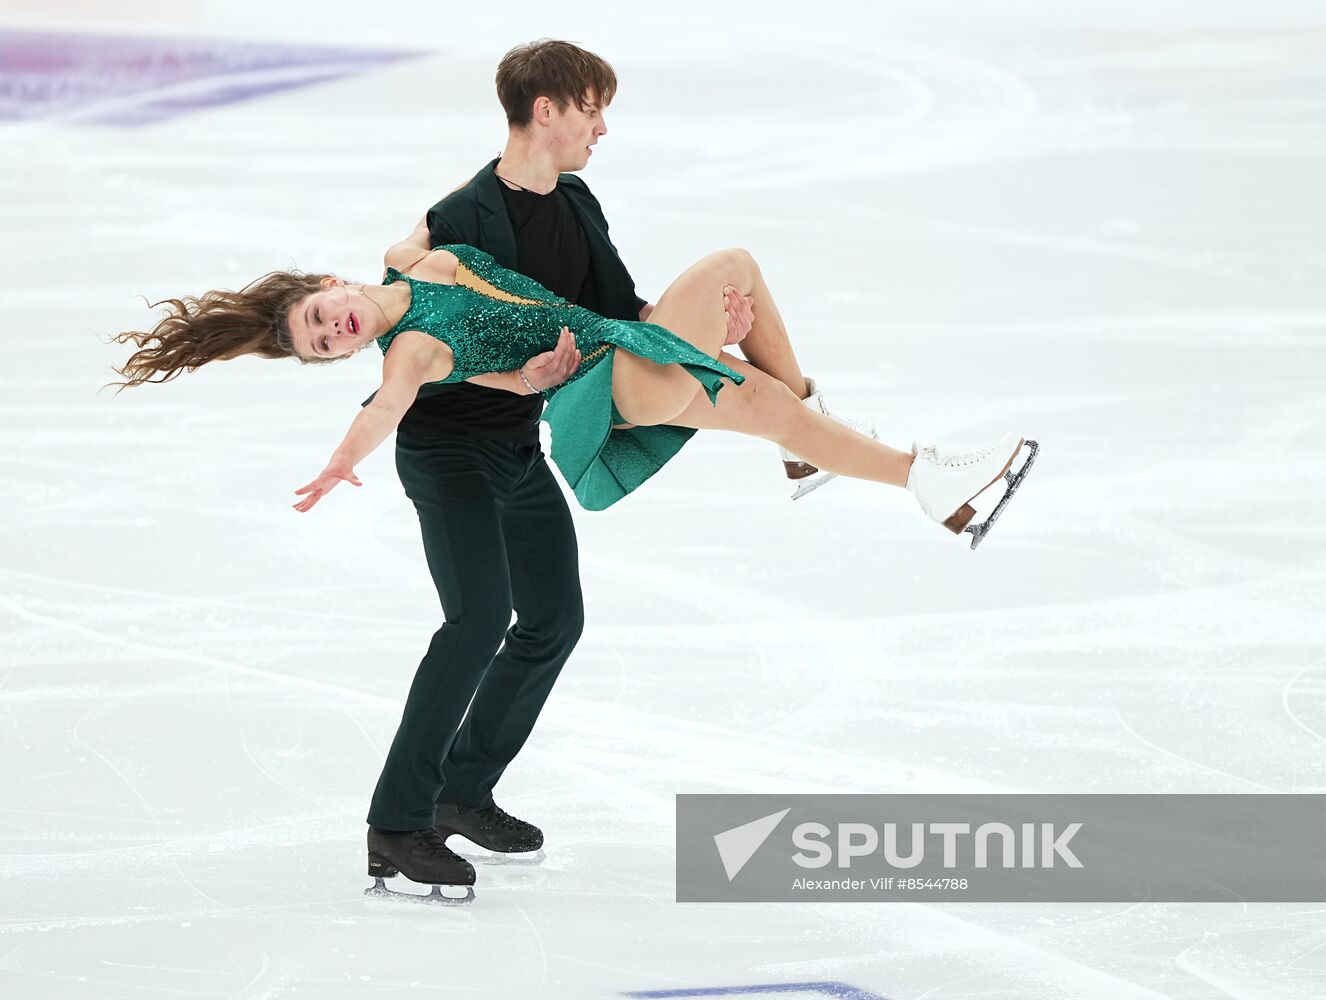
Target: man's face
x,y
574,131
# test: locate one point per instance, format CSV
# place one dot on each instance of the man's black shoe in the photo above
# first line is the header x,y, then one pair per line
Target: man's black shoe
x,y
490,826
420,855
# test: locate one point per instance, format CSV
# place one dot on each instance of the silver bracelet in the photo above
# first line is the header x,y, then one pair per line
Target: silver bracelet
x,y
521,372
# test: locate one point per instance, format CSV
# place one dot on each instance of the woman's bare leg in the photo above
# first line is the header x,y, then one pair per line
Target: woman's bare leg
x,y
692,308
767,346
765,405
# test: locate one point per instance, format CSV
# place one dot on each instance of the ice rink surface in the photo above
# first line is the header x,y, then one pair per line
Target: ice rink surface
x,y
1099,224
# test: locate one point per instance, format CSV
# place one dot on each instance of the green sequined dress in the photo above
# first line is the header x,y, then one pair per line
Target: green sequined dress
x,y
488,332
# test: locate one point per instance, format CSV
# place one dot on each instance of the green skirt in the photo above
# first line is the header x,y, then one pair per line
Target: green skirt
x,y
600,464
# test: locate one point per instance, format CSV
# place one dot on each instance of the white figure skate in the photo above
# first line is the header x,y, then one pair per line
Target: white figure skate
x,y
945,481
805,476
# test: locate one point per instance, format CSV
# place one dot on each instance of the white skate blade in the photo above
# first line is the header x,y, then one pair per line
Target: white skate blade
x,y
1014,480
379,890
811,483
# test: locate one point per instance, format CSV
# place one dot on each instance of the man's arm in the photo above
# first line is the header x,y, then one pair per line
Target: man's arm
x,y
404,255
642,308
736,306
437,231
506,381
416,246
418,238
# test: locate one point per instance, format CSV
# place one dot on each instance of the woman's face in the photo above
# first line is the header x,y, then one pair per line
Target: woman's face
x,y
335,321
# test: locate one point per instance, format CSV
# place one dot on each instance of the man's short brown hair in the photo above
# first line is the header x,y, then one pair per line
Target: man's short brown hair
x,y
561,71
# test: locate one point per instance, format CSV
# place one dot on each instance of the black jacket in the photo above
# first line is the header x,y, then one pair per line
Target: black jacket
x,y
476,214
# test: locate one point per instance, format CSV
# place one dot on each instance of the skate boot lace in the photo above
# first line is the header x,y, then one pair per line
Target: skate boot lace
x,y
432,842
954,459
495,815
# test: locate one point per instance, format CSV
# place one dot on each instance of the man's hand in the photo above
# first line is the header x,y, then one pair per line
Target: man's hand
x,y
556,366
740,315
328,478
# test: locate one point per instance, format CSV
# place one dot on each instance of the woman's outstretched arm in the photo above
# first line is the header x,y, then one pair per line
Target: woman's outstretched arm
x,y
412,360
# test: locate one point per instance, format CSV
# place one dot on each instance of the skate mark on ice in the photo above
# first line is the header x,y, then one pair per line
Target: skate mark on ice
x,y
722,599
368,738
1189,965
1288,689
1188,760
924,80
161,832
1001,236
294,790
1015,948
838,991
543,951
166,653
717,742
160,601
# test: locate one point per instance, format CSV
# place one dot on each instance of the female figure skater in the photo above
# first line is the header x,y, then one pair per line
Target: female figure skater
x,y
630,404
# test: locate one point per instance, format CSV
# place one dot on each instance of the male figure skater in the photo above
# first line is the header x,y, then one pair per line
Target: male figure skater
x,y
497,532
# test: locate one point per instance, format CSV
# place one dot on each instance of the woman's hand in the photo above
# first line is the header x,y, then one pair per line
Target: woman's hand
x,y
328,478
740,313
556,366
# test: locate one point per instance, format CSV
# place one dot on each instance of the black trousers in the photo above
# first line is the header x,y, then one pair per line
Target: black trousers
x,y
498,537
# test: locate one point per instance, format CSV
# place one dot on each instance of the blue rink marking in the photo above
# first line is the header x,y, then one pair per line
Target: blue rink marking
x,y
839,990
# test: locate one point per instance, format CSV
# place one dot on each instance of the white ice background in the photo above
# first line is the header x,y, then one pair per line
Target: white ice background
x,y
1098,224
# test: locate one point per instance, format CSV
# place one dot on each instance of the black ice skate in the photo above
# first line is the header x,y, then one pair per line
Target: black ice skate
x,y
421,856
491,827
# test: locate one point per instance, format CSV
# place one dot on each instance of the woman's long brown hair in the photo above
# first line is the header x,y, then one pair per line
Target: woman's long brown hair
x,y
218,326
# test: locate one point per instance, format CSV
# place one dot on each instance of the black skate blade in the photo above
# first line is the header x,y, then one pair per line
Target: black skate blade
x,y
379,890
979,531
501,858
